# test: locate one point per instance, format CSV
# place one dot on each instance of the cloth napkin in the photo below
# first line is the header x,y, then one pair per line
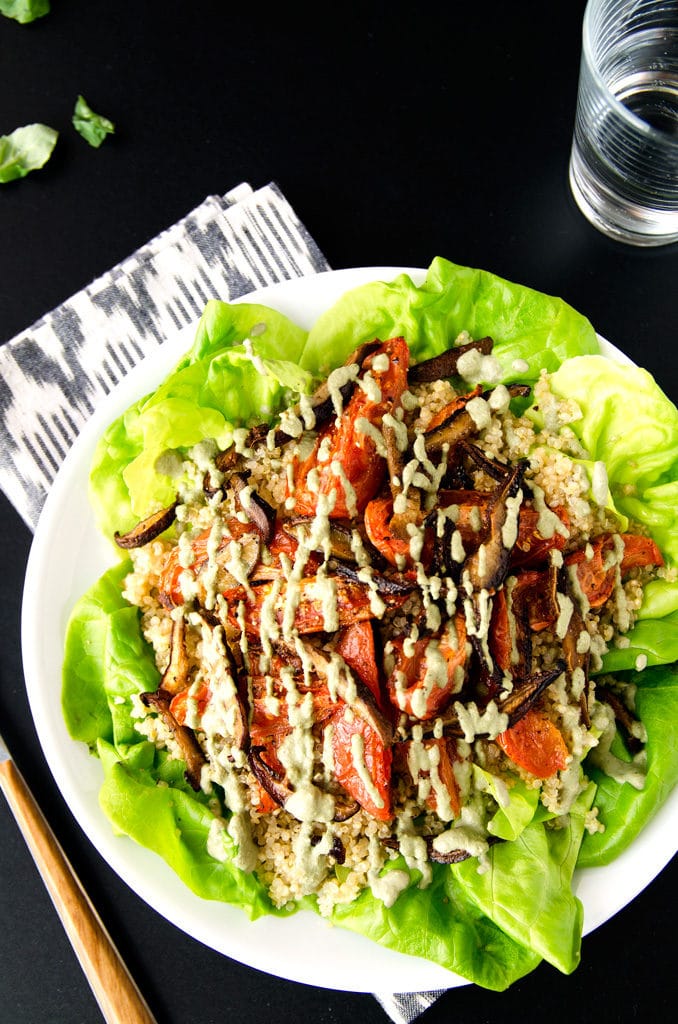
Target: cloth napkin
x,y
53,374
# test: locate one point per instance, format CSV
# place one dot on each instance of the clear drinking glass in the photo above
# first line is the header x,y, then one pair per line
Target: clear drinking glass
x,y
624,160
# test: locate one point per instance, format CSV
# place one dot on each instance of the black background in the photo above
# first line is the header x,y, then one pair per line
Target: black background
x,y
398,132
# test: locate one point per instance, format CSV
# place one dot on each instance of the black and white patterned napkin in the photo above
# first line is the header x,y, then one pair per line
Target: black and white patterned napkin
x,y
54,373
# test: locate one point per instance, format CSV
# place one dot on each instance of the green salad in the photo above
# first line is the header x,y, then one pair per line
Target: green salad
x,y
477,616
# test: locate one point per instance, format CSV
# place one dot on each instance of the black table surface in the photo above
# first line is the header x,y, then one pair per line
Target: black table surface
x,y
398,133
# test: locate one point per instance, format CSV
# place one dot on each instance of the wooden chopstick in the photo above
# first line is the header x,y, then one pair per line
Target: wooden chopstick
x,y
116,992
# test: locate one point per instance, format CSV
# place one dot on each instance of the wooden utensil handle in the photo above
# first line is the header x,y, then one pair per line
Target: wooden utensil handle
x,y
119,999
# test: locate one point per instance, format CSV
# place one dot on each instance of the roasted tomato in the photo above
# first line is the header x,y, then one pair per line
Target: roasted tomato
x,y
179,703
535,744
356,646
422,682
351,448
362,763
596,575
350,603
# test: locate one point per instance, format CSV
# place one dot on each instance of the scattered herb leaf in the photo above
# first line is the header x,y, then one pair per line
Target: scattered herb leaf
x,y
93,127
24,11
25,149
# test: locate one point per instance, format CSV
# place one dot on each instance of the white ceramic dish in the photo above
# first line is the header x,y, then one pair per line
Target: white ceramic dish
x,y
67,556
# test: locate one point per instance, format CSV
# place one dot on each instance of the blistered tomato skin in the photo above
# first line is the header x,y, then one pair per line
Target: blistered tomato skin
x,y
350,444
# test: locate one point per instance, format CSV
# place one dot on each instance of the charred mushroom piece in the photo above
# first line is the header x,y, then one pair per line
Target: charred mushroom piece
x,y
459,426
271,780
494,469
625,720
224,463
392,585
344,808
148,529
159,701
526,694
453,856
445,365
515,704
577,661
259,512
340,539
175,676
488,565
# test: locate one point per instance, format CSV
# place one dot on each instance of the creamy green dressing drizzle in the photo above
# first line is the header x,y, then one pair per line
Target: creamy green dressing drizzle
x,y
473,722
634,771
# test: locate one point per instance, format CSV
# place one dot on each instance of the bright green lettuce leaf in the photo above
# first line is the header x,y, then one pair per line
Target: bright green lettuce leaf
x,y
25,149
175,823
525,324
629,424
441,923
510,820
527,888
623,809
222,324
24,11
241,369
660,598
654,639
93,127
105,661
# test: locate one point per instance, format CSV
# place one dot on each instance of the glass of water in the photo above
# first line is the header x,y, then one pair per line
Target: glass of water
x,y
624,160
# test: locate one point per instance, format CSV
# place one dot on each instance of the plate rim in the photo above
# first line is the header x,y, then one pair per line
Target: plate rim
x,y
393,969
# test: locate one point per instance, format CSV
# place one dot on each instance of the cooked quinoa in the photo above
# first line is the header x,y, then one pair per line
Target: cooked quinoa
x,y
285,732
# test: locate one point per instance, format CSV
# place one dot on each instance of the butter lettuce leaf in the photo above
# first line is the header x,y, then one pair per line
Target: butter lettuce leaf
x,y
527,325
86,666
622,809
92,126
628,423
25,149
441,923
242,369
24,11
527,890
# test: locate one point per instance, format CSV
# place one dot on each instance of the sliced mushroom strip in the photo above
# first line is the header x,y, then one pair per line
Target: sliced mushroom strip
x,y
271,780
452,857
392,585
445,365
576,659
340,539
175,676
278,788
516,704
191,751
494,469
514,390
148,529
525,694
626,721
351,690
394,459
224,463
459,426
488,565
258,511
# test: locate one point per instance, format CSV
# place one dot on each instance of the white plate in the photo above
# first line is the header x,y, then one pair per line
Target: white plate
x,y
67,556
